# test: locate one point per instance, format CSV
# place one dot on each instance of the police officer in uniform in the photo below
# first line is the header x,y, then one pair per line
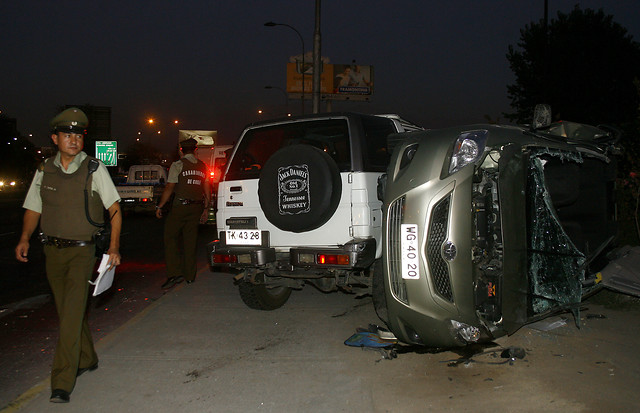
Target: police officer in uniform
x,y
56,199
189,179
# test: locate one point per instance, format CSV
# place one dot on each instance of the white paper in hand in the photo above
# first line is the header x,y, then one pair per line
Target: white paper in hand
x,y
105,278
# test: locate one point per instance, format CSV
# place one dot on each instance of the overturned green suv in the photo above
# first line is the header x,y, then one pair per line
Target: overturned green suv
x,y
487,228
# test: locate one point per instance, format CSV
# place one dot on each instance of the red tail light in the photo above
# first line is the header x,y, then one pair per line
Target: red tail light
x,y
333,259
225,259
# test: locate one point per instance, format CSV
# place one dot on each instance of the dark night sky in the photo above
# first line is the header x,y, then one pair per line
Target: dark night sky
x,y
206,62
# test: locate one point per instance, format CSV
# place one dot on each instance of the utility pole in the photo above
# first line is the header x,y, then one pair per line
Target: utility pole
x,y
316,61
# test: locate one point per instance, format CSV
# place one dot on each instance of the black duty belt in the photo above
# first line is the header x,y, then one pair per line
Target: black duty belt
x,y
183,201
64,243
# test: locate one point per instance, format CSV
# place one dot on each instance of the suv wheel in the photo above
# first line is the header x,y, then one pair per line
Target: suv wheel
x,y
299,188
259,297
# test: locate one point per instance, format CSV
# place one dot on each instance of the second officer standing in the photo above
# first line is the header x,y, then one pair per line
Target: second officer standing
x,y
189,179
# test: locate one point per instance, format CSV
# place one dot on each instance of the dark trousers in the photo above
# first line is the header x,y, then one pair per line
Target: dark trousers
x,y
69,271
180,237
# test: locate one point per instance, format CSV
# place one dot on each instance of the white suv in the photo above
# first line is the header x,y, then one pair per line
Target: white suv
x,y
298,203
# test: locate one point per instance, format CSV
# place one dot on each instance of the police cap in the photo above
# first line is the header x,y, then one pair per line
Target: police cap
x,y
189,145
70,120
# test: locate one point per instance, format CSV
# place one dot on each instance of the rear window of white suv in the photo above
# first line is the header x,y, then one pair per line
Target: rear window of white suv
x,y
258,144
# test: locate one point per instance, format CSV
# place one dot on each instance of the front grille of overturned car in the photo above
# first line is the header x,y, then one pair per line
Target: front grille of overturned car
x,y
398,287
437,235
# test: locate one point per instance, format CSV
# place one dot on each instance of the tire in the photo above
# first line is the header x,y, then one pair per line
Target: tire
x,y
259,297
377,291
299,188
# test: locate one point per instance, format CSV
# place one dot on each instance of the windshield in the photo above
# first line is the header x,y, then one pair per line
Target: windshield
x,y
258,144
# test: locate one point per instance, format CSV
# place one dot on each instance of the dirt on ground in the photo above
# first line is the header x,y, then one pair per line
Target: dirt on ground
x,y
554,366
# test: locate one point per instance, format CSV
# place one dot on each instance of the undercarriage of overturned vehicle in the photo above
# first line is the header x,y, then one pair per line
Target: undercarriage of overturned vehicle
x,y
269,287
557,227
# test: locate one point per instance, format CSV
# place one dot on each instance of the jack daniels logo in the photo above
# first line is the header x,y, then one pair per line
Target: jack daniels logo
x,y
293,190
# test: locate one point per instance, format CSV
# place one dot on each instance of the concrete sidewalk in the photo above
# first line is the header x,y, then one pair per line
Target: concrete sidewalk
x,y
200,349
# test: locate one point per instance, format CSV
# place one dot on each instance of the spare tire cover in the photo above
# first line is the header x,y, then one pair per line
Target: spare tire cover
x,y
299,188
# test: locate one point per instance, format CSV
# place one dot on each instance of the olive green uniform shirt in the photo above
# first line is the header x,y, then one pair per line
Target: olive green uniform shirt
x,y
176,168
101,183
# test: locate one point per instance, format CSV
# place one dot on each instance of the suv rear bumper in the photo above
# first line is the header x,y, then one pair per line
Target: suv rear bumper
x,y
356,254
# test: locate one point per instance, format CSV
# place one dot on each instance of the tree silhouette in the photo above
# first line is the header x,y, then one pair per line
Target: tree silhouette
x,y
583,64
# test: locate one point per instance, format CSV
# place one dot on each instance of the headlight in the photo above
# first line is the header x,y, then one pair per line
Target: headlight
x,y
468,333
468,148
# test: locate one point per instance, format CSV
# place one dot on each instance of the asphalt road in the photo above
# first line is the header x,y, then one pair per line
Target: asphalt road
x,y
28,321
17,281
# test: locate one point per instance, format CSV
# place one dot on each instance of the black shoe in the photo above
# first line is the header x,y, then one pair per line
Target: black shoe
x,y
190,281
83,370
59,396
171,281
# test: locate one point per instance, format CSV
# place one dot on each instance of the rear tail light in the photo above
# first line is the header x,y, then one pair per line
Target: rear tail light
x,y
333,259
225,258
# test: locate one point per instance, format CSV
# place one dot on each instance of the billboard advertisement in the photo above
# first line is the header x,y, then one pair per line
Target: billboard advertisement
x,y
203,137
352,80
337,81
294,78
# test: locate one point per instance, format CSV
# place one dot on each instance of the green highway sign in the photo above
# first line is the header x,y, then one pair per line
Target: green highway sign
x,y
107,152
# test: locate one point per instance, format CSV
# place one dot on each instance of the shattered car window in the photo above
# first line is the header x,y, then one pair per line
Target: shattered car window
x,y
555,264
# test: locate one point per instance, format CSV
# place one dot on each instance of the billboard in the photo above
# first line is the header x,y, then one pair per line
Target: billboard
x,y
337,81
203,137
352,80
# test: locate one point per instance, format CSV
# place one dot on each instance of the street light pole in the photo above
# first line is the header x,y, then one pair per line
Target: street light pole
x,y
286,96
272,24
316,62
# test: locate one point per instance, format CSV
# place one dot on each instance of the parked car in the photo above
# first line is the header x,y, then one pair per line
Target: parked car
x,y
487,228
298,204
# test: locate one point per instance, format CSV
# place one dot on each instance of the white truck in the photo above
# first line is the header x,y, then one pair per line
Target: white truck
x,y
298,204
143,188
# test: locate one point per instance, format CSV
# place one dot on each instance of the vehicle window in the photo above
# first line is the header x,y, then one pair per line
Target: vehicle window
x,y
376,130
146,175
257,145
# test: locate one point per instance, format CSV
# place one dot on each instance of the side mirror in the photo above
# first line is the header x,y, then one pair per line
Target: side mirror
x,y
541,116
381,187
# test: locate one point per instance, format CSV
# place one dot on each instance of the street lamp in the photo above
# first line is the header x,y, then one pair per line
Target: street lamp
x,y
272,24
156,125
286,96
